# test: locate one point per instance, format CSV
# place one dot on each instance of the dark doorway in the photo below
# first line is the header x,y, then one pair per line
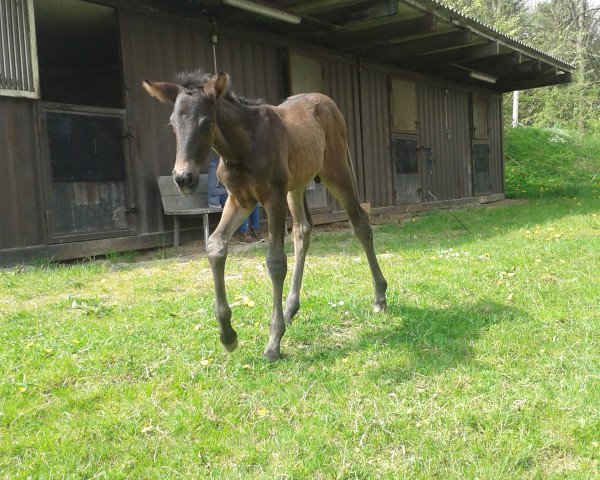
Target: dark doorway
x,y
78,53
406,165
481,169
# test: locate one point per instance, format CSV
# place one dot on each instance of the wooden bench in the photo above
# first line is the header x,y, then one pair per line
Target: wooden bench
x,y
177,204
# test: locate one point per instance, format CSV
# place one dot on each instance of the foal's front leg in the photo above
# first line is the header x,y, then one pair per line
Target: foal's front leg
x,y
216,250
277,266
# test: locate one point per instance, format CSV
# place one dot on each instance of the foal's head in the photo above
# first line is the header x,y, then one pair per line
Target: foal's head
x,y
195,100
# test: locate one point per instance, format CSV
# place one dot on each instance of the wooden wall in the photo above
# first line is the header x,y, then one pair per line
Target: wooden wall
x,y
156,48
21,194
376,135
444,125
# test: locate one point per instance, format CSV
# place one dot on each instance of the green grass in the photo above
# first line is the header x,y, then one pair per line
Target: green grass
x,y
485,366
541,163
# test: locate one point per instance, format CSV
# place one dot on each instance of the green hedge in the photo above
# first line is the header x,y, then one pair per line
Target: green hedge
x,y
547,163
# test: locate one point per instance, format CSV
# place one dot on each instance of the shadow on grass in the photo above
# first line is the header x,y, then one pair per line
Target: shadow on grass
x,y
410,341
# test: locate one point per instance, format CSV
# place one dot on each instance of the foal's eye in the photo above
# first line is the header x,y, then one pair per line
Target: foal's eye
x,y
205,124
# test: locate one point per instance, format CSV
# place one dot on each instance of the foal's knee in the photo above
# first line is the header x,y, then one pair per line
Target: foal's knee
x,y
216,248
302,232
277,264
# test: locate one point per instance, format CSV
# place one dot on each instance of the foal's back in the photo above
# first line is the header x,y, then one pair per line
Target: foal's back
x,y
315,134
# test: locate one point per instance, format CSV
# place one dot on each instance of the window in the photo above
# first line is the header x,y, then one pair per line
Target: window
x,y
85,148
18,56
404,106
405,155
480,118
78,53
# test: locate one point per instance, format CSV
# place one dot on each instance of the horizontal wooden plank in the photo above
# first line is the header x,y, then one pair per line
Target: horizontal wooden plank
x,y
194,211
189,202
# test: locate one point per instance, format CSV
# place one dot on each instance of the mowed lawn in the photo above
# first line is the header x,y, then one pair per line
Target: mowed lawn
x,y
486,365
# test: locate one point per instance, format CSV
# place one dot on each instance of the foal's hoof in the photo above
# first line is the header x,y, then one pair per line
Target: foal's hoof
x,y
379,307
230,347
230,341
272,354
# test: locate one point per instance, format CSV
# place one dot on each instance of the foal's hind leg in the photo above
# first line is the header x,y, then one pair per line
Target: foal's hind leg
x,y
339,180
301,230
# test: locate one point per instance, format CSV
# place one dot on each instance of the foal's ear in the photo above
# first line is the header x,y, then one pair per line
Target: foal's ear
x,y
216,87
166,92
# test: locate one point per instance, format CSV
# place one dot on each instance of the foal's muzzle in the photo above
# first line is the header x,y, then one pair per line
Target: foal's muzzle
x,y
186,181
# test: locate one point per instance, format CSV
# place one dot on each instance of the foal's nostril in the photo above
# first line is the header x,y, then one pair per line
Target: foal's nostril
x,y
183,179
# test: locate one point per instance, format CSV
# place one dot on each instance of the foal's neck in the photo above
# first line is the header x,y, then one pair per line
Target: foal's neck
x,y
233,138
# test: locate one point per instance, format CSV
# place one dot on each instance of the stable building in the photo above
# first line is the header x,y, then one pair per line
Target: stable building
x,y
82,145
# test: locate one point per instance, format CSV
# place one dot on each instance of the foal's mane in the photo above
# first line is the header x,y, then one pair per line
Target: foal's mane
x,y
198,78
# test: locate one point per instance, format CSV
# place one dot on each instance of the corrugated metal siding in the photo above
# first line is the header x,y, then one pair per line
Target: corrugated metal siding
x,y
450,177
21,196
377,153
255,68
496,145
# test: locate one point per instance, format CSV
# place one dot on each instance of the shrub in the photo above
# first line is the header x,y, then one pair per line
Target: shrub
x,y
546,163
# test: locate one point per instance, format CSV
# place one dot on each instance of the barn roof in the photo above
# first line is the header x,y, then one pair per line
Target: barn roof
x,y
422,36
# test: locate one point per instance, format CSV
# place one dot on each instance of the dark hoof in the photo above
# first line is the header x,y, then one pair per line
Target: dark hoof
x,y
230,347
271,354
230,341
380,306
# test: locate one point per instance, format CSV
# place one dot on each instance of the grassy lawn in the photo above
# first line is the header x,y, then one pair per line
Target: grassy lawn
x,y
487,364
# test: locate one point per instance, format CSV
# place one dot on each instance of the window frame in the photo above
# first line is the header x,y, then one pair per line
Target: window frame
x,y
24,59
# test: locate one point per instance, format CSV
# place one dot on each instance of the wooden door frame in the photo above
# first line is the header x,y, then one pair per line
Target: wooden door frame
x,y
47,177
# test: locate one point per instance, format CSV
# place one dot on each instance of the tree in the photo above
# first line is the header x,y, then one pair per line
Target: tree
x,y
508,16
568,29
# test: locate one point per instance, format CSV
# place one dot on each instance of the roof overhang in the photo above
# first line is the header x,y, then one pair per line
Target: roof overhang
x,y
421,36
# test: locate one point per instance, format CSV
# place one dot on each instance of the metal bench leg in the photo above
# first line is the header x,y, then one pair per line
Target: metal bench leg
x,y
206,229
175,231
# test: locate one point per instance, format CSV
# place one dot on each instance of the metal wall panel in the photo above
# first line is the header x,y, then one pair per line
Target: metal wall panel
x,y
376,129
496,145
21,195
255,68
445,128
